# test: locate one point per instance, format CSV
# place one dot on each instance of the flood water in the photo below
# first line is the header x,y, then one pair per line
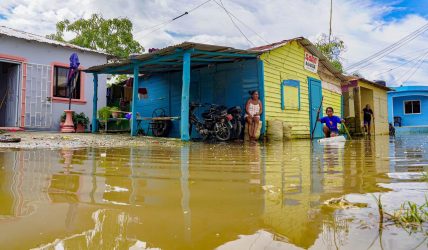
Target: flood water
x,y
207,196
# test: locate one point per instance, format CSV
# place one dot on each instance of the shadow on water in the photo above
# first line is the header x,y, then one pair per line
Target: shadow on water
x,y
204,196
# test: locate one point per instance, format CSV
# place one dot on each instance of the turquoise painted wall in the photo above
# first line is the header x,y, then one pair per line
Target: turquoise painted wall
x,y
224,84
411,119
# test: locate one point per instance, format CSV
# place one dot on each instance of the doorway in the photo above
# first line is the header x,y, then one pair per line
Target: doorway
x,y
315,104
9,93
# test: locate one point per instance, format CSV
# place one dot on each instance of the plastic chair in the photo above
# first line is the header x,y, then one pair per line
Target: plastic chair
x,y
397,120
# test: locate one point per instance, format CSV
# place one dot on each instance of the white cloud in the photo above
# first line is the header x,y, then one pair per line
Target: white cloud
x,y
359,23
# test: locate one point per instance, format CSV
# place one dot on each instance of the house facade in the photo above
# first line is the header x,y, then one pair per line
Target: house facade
x,y
408,106
298,79
359,92
33,73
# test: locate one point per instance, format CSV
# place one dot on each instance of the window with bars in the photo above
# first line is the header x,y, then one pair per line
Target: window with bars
x,y
60,88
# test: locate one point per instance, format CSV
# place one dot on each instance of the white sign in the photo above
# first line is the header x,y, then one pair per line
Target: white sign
x,y
311,62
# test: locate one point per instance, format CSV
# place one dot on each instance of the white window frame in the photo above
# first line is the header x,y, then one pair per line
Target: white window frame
x,y
404,107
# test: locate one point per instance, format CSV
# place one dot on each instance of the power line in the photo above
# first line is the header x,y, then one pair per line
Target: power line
x,y
233,22
243,23
378,59
162,24
389,49
406,62
415,67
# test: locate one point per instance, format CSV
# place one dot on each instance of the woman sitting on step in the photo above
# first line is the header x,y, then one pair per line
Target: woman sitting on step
x,y
253,110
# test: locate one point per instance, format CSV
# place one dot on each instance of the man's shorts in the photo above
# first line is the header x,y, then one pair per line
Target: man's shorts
x,y
336,132
367,122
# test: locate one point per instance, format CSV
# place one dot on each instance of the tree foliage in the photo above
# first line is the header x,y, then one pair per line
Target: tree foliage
x,y
113,36
331,49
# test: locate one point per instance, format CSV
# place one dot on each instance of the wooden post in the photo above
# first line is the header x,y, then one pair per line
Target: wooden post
x,y
134,123
260,72
95,104
184,121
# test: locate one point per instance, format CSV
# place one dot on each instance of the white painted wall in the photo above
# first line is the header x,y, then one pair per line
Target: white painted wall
x,y
41,53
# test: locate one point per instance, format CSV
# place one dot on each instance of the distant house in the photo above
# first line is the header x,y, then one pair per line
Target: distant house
x,y
359,92
33,73
408,106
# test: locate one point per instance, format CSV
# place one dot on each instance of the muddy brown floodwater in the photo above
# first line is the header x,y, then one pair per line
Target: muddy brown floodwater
x,y
207,196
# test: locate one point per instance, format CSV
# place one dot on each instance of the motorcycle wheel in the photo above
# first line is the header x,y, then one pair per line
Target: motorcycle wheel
x,y
222,131
238,130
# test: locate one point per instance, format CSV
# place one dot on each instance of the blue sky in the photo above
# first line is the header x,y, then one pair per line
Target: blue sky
x,y
405,7
366,26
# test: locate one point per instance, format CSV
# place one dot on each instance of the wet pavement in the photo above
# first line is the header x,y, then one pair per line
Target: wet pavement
x,y
207,196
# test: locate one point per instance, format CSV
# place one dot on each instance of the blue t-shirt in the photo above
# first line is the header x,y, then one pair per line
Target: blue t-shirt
x,y
331,122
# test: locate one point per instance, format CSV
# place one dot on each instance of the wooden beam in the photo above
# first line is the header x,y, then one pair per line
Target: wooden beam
x,y
184,122
134,123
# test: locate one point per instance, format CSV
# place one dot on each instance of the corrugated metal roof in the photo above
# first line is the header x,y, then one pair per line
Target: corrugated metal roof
x,y
232,54
308,46
6,31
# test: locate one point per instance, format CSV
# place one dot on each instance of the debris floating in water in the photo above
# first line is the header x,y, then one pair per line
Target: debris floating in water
x,y
343,203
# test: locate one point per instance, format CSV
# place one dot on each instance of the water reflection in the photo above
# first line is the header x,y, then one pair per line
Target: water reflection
x,y
193,196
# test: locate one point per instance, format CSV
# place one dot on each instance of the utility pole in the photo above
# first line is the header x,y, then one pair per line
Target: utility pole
x,y
331,16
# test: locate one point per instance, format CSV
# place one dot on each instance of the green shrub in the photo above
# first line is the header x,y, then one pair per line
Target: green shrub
x,y
104,113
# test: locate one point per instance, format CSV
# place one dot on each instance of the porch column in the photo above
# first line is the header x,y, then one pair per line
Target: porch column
x,y
134,124
260,72
95,104
184,120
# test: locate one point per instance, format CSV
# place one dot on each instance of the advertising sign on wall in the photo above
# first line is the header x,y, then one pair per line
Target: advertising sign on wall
x,y
311,62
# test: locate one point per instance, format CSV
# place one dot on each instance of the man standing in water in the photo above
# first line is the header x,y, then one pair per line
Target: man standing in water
x,y
331,121
368,114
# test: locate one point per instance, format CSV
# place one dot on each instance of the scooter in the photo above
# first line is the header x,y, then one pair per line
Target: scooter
x,y
236,129
216,123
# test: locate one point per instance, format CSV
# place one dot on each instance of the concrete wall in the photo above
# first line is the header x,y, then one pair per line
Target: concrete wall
x,y
46,54
3,85
222,84
411,119
379,106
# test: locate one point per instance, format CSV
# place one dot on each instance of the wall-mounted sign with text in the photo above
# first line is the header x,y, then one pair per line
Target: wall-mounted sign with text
x,y
311,62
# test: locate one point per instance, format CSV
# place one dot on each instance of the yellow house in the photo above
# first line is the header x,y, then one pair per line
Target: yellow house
x,y
359,92
298,78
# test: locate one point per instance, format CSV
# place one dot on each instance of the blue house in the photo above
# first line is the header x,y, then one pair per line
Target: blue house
x,y
408,107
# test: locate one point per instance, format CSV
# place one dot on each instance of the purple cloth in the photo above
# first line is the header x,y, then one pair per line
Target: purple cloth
x,y
74,65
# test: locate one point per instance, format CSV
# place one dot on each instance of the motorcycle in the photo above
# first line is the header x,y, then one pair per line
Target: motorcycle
x,y
216,122
236,127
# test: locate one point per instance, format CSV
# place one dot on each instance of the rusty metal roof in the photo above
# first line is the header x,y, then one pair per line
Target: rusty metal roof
x,y
352,78
170,58
309,46
6,31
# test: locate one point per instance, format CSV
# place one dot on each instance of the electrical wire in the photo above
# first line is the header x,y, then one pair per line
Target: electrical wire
x,y
405,63
162,24
233,22
243,23
392,47
415,68
386,51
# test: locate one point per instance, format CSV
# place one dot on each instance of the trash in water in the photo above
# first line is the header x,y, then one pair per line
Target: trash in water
x,y
343,203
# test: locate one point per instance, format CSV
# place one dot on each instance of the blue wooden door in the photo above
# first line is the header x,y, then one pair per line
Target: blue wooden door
x,y
315,97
